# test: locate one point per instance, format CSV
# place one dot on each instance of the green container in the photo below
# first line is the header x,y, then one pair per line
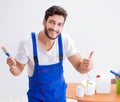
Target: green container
x,y
118,86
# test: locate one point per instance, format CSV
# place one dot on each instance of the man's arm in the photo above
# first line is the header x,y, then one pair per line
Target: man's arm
x,y
80,64
15,67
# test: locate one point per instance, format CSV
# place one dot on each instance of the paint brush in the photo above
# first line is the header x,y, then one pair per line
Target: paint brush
x,y
5,51
115,73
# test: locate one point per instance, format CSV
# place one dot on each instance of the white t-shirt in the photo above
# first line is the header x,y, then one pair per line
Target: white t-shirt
x,y
24,54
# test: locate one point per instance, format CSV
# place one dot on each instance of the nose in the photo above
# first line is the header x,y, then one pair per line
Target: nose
x,y
55,27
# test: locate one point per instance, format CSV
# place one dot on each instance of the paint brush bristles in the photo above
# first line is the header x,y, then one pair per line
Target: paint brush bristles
x,y
5,51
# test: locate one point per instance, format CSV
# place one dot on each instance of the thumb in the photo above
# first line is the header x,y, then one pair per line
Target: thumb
x,y
91,54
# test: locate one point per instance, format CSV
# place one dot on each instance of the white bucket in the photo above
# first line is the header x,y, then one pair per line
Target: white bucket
x,y
89,87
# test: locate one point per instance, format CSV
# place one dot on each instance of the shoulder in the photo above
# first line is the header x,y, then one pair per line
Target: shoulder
x,y
28,39
65,36
66,39
68,45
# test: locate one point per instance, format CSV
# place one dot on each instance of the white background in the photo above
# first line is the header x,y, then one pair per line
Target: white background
x,y
92,24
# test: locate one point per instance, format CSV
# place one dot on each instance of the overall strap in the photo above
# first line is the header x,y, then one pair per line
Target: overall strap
x,y
34,47
60,48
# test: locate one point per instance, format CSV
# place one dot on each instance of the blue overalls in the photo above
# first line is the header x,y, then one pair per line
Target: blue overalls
x,y
47,83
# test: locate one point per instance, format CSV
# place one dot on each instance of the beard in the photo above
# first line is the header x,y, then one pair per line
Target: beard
x,y
47,34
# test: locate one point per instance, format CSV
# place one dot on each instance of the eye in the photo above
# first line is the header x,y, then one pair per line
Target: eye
x,y
51,22
60,24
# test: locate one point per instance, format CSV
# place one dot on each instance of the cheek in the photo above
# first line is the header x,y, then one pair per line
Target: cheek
x,y
61,29
49,26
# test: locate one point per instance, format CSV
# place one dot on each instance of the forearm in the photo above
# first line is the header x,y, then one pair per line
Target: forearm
x,y
80,64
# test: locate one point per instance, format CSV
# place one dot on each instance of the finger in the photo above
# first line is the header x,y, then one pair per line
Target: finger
x,y
91,54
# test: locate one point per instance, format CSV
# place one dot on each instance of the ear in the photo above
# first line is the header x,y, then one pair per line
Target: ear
x,y
44,22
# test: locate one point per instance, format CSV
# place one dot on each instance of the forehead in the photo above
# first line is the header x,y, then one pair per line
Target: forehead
x,y
56,18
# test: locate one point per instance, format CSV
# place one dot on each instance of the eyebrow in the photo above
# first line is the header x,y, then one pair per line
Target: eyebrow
x,y
55,21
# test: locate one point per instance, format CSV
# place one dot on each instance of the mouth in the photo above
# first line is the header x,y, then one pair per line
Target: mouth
x,y
53,32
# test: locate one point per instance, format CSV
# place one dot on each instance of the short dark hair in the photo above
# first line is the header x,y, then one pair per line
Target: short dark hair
x,y
55,10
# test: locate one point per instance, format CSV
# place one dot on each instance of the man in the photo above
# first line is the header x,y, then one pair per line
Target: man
x,y
44,53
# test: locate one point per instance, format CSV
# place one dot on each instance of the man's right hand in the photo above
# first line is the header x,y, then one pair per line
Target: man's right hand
x,y
11,62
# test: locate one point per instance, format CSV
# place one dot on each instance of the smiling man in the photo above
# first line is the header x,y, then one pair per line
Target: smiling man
x,y
44,53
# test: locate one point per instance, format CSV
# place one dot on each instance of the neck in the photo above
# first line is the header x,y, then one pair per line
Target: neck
x,y
45,42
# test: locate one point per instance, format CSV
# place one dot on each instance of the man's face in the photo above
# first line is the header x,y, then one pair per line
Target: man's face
x,y
53,26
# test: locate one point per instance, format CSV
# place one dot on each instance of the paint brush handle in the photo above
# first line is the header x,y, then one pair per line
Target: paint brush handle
x,y
7,54
115,73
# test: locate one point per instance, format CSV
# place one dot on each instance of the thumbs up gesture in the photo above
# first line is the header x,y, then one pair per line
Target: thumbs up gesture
x,y
87,64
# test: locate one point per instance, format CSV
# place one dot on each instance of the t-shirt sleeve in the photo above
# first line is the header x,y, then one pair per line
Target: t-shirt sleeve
x,y
21,55
69,46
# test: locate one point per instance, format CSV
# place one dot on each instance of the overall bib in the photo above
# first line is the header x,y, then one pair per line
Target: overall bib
x,y
47,83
